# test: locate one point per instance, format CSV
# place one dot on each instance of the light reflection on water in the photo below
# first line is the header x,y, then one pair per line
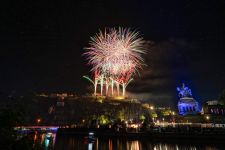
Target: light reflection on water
x,y
82,143
45,140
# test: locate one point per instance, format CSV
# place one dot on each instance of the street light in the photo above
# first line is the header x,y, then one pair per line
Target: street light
x,y
207,117
38,120
151,107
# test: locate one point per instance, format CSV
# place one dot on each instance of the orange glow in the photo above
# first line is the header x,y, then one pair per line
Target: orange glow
x,y
119,97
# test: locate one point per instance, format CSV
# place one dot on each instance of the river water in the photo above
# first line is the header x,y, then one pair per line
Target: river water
x,y
83,143
73,142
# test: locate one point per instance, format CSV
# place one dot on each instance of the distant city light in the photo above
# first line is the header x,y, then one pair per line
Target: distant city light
x,y
38,120
173,113
152,107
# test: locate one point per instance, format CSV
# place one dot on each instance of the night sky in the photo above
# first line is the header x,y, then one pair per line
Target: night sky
x,y
41,45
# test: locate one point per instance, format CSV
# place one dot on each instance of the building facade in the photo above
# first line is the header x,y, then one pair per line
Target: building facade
x,y
214,108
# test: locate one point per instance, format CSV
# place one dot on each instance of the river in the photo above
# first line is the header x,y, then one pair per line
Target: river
x,y
73,142
84,143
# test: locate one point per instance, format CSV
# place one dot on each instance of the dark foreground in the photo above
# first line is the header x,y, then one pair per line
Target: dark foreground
x,y
125,139
215,136
108,139
69,142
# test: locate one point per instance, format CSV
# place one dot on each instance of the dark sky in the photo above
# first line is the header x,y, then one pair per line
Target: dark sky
x,y
41,45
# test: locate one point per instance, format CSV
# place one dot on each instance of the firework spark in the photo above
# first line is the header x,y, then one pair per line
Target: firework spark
x,y
115,55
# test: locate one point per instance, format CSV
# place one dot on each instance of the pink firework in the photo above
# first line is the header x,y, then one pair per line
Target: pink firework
x,y
116,54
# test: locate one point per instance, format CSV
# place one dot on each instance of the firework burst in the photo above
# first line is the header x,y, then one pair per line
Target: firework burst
x,y
115,55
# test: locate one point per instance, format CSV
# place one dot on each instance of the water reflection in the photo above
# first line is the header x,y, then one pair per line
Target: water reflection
x,y
133,145
81,143
44,140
